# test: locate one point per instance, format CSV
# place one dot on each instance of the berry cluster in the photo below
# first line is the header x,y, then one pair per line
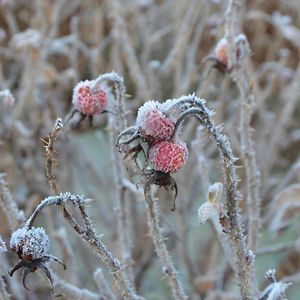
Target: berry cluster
x,y
156,134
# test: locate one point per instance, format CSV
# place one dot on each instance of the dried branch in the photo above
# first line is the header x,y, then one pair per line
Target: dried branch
x,y
244,259
50,153
89,235
102,284
160,247
70,291
13,215
117,124
240,74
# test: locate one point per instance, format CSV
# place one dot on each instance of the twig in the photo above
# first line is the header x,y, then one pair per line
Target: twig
x,y
102,284
243,257
116,125
89,235
3,292
160,246
240,75
50,153
70,291
13,215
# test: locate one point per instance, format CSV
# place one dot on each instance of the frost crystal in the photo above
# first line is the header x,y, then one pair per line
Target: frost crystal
x,y
2,246
7,98
168,157
86,101
205,212
33,242
153,122
148,106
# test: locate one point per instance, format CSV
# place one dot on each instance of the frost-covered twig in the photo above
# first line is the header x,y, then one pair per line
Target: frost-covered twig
x,y
13,215
117,124
50,153
188,23
70,291
121,32
3,292
160,247
102,284
238,53
243,257
88,234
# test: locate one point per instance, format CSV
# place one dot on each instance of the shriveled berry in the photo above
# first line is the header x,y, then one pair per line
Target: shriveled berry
x,y
221,51
168,157
30,243
86,101
153,123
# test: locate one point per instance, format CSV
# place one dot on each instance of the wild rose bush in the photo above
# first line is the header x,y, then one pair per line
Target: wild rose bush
x,y
149,150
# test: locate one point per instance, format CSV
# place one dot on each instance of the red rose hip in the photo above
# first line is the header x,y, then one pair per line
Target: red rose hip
x,y
168,157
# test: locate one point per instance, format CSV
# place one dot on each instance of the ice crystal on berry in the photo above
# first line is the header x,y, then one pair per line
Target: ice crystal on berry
x,y
153,123
33,243
86,101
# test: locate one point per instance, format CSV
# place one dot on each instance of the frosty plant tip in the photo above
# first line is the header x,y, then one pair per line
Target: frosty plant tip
x,y
31,246
220,55
88,101
2,246
156,135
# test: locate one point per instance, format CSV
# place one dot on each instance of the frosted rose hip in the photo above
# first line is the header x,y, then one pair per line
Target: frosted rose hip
x,y
168,157
87,102
30,243
221,51
153,122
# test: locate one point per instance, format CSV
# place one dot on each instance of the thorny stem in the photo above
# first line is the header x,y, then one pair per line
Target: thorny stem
x,y
117,124
243,258
50,163
50,152
89,235
240,75
160,247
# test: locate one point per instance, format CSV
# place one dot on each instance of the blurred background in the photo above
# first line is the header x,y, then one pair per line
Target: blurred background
x,y
159,47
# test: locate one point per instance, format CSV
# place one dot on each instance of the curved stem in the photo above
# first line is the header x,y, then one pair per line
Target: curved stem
x,y
160,246
244,259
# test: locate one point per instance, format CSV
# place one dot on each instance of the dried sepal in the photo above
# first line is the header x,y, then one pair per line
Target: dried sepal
x,y
205,212
276,290
215,192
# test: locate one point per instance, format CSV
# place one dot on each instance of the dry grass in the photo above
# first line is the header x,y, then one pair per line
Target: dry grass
x,y
160,49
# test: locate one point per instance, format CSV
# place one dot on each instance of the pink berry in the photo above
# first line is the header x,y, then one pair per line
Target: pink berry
x,y
87,102
221,51
154,124
168,157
